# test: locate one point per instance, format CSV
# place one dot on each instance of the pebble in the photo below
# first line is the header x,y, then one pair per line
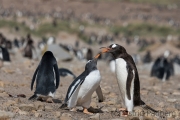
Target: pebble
x,y
10,102
66,116
48,108
57,114
39,105
1,83
176,93
95,117
22,112
27,107
1,90
36,114
161,104
172,100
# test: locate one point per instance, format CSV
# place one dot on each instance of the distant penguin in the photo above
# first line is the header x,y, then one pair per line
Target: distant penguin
x,y
127,77
64,72
147,58
162,67
81,89
47,77
89,54
4,54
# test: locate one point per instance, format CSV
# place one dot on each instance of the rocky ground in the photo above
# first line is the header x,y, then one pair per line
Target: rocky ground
x,y
15,78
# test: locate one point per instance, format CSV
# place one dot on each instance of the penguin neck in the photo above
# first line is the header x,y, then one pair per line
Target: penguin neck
x,y
117,55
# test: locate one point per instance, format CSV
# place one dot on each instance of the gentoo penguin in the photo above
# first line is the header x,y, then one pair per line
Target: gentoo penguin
x,y
163,68
127,77
64,72
46,76
4,54
147,58
81,89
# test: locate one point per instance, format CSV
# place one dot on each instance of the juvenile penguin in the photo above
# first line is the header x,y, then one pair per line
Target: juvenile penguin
x,y
127,77
47,78
81,89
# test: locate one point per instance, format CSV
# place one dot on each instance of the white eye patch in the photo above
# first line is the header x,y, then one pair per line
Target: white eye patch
x,y
114,45
89,61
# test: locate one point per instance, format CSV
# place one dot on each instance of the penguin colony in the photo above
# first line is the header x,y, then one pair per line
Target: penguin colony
x,y
81,89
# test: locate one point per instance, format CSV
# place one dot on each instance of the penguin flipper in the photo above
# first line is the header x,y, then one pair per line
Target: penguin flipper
x,y
129,81
33,97
34,77
57,75
64,72
99,93
75,85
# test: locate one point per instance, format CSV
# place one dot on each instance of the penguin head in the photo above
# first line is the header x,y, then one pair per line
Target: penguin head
x,y
91,65
115,49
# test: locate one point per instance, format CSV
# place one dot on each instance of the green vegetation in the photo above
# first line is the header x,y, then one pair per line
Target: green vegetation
x,y
158,2
47,28
145,29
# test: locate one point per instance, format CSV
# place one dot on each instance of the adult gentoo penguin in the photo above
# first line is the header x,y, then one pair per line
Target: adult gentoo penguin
x,y
46,76
127,77
81,89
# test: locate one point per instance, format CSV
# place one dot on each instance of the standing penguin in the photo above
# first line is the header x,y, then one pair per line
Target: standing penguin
x,y
46,76
127,77
81,89
4,54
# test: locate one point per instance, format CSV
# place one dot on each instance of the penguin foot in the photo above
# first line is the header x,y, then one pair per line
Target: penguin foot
x,y
49,100
73,110
87,112
124,112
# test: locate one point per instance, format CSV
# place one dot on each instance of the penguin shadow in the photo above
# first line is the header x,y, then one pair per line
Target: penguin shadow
x,y
52,101
93,110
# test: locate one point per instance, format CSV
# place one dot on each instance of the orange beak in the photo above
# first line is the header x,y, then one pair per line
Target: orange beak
x,y
105,49
97,56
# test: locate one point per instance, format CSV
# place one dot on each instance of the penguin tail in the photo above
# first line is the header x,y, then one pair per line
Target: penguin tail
x,y
33,97
146,107
63,106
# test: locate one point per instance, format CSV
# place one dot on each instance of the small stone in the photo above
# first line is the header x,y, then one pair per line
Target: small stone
x,y
176,93
27,107
171,100
6,115
106,92
1,83
17,100
95,117
177,106
39,105
157,93
161,104
1,90
22,112
57,114
48,108
165,93
36,114
66,116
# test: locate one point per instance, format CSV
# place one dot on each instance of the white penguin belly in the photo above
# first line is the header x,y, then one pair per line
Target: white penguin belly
x,y
122,74
87,88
